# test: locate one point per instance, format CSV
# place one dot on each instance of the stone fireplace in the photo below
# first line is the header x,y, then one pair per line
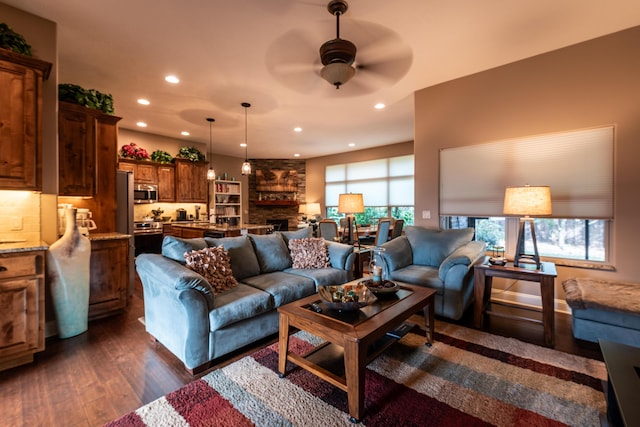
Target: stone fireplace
x,y
275,205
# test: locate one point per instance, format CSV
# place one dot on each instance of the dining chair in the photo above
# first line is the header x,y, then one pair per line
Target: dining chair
x,y
397,228
328,229
382,234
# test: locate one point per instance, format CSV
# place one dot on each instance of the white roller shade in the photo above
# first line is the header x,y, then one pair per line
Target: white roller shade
x,y
577,165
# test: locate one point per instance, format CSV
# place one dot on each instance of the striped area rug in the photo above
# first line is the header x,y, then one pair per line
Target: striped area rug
x,y
467,378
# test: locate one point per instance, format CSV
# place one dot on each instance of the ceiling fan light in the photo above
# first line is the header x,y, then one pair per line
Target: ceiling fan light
x,y
337,73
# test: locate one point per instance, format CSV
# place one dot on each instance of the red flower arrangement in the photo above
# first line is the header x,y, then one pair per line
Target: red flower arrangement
x,y
132,151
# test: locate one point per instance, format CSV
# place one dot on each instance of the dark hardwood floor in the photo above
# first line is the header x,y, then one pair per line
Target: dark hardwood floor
x,y
115,367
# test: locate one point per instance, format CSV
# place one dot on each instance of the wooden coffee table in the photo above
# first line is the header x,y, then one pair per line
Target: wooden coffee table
x,y
353,339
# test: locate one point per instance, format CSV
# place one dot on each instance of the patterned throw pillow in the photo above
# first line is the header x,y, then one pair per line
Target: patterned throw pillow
x,y
214,265
309,253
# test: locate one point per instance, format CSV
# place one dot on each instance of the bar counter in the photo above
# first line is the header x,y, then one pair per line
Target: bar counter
x,y
202,229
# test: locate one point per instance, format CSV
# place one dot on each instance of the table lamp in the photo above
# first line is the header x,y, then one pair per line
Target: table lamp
x,y
527,202
350,204
302,209
313,211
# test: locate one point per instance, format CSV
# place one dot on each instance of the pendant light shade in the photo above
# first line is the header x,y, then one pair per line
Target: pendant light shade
x,y
246,166
211,174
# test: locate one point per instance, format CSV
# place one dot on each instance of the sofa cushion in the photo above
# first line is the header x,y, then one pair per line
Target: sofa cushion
x,y
272,252
309,253
283,287
322,276
431,246
397,253
240,303
213,264
419,275
244,262
303,233
175,247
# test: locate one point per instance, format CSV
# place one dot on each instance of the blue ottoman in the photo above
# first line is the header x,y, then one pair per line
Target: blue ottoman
x,y
604,309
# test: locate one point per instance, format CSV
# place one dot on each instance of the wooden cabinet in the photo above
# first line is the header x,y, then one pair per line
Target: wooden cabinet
x,y
144,172
166,183
82,134
21,81
191,181
109,276
227,201
21,307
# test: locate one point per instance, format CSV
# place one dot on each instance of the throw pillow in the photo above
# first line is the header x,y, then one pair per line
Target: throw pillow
x,y
214,265
244,262
309,253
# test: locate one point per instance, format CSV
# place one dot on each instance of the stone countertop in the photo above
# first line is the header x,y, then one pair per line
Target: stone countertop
x,y
17,245
108,236
218,227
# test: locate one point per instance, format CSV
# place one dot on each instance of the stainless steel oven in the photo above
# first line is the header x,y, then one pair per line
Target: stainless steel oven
x,y
147,237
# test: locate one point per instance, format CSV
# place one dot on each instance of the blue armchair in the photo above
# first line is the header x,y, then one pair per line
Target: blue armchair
x,y
438,259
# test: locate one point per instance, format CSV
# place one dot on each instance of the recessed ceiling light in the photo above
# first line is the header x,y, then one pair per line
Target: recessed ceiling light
x,y
379,106
296,155
141,124
172,79
243,144
297,129
143,101
351,144
185,133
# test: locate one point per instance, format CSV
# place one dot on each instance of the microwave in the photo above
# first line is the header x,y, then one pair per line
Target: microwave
x,y
145,193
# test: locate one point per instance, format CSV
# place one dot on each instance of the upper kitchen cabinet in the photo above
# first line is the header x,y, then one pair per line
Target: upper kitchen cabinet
x,y
144,172
191,181
84,136
21,80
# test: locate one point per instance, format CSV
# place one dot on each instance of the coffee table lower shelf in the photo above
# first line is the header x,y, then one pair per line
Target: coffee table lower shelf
x,y
326,361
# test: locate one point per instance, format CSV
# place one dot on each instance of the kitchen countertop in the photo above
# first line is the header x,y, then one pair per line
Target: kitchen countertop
x,y
14,245
108,236
218,227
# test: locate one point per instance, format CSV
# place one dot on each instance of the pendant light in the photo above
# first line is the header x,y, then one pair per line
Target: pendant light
x,y
211,174
246,166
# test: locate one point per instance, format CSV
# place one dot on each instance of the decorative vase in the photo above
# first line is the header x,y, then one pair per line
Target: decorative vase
x,y
68,269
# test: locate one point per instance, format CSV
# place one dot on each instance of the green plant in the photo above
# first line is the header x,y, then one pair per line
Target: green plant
x,y
191,153
13,41
90,98
161,156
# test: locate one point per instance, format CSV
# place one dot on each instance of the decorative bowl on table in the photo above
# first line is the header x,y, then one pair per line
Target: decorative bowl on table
x,y
382,288
346,297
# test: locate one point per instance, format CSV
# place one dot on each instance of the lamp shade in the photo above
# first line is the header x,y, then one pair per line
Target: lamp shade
x,y
527,201
302,208
313,209
350,203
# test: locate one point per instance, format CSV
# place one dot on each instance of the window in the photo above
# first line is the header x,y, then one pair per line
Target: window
x,y
571,239
386,185
576,165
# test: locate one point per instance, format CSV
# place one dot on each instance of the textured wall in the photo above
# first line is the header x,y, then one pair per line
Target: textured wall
x,y
260,214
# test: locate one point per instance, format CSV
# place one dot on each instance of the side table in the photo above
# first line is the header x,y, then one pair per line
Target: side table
x,y
483,277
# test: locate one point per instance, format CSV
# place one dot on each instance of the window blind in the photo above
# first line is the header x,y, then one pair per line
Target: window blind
x,y
577,165
382,182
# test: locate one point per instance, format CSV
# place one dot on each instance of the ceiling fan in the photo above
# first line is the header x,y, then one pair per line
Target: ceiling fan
x,y
383,57
337,55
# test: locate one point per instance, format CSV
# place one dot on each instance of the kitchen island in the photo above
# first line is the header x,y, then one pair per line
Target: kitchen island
x,y
191,229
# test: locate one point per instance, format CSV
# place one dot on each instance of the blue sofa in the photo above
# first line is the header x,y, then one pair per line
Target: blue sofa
x,y
183,314
438,259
